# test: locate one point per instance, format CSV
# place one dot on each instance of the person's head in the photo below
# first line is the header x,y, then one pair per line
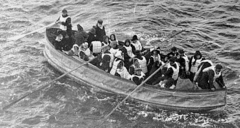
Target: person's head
x,y
174,49
59,32
75,48
181,52
136,62
99,23
120,65
155,52
106,39
64,12
134,38
127,42
172,60
112,37
85,45
79,27
93,30
197,55
218,68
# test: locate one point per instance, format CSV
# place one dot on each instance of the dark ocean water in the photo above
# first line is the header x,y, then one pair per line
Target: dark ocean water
x,y
213,26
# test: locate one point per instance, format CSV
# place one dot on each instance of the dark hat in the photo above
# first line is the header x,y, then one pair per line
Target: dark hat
x,y
172,59
64,11
134,38
181,51
100,21
218,66
174,49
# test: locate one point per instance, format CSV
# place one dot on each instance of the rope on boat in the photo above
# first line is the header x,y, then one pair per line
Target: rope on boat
x,y
44,85
104,119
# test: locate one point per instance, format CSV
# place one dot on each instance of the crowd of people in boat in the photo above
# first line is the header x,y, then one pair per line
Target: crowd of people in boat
x,y
130,60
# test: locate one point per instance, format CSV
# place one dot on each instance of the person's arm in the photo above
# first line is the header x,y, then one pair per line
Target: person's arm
x,y
104,32
133,49
220,82
57,20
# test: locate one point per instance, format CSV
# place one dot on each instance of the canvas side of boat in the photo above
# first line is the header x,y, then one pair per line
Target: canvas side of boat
x,y
162,98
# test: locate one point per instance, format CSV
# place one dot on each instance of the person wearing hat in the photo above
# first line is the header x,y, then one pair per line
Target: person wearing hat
x,y
194,63
117,60
85,52
136,44
138,76
209,76
100,30
173,53
80,36
113,38
154,63
107,59
183,60
91,36
65,22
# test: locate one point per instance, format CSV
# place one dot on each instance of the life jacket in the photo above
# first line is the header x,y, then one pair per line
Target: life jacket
x,y
113,51
175,71
75,52
129,51
96,46
186,62
111,56
156,58
138,46
194,67
114,66
139,77
63,19
124,73
87,52
216,75
143,64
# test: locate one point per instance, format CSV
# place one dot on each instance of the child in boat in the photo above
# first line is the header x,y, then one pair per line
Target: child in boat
x,y
127,59
136,44
138,76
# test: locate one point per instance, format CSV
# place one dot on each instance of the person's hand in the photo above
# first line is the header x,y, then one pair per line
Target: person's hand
x,y
213,89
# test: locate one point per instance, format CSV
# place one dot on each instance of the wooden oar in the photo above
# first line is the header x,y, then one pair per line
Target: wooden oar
x,y
44,85
137,86
14,38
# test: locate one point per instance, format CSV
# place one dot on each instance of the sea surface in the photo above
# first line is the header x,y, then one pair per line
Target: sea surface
x,y
212,26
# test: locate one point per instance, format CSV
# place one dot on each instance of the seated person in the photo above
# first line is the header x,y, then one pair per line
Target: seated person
x,y
138,76
183,60
134,66
107,59
80,36
58,41
114,48
173,53
142,61
74,51
127,59
117,60
210,75
85,52
122,71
